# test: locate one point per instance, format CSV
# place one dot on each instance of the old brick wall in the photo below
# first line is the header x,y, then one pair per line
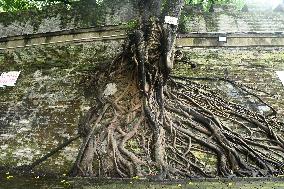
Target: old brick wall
x,y
61,17
228,19
53,89
251,66
109,13
234,21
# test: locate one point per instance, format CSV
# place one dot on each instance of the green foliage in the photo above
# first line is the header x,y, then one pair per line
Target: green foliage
x,y
14,5
132,24
18,5
207,4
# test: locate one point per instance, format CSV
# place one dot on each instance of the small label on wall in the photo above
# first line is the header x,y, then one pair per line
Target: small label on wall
x,y
171,20
9,78
222,39
281,76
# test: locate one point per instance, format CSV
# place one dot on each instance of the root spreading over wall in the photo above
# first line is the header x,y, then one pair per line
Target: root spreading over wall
x,y
151,124
167,127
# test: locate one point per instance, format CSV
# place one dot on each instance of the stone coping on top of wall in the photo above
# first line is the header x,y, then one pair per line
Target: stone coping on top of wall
x,y
275,39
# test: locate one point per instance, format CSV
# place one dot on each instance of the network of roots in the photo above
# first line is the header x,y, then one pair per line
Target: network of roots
x,y
173,127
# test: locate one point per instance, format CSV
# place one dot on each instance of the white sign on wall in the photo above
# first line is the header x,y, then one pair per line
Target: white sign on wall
x,y
9,78
171,20
222,39
281,76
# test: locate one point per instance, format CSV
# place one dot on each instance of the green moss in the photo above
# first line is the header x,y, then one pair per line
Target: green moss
x,y
48,97
132,25
134,146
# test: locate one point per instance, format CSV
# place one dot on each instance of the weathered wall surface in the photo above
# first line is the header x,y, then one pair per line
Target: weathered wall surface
x,y
43,109
60,17
53,89
230,21
252,67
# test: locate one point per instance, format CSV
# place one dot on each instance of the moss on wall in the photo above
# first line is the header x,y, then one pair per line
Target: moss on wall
x,y
43,109
54,89
61,17
253,67
109,12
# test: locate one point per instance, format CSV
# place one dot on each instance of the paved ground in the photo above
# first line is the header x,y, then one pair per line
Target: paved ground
x,y
44,183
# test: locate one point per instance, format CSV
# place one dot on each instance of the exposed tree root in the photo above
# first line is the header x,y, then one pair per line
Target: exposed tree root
x,y
166,127
183,129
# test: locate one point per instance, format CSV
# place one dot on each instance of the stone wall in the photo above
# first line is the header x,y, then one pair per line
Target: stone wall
x,y
51,93
253,67
61,17
232,21
54,89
